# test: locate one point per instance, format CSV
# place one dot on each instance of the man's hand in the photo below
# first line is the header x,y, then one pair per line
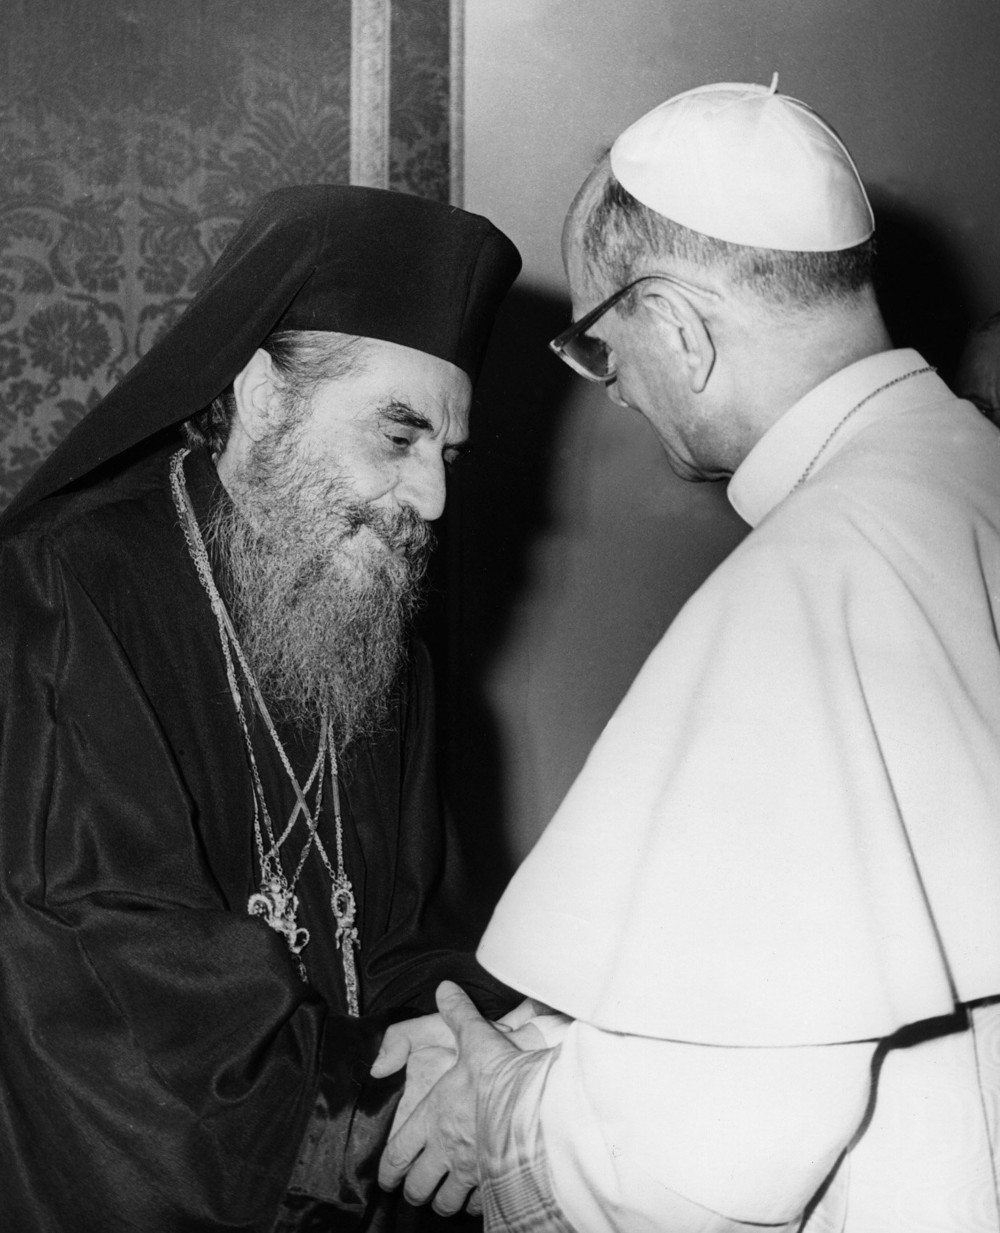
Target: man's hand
x,y
424,1067
426,1047
438,1140
430,1031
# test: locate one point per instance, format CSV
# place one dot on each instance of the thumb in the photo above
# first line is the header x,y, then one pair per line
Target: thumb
x,y
456,1007
392,1055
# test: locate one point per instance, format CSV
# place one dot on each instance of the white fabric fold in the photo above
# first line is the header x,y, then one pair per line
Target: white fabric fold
x,y
787,833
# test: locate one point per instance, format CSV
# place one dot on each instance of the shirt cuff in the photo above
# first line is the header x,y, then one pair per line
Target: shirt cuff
x,y
515,1183
553,1027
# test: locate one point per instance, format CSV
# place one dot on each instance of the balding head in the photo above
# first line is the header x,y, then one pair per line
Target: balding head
x,y
734,184
715,334
617,238
587,197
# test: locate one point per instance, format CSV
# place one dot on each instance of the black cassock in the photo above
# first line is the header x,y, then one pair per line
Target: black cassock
x,y
163,1066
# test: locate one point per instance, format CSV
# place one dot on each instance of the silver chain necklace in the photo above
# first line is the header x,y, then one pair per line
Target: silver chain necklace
x,y
853,411
276,901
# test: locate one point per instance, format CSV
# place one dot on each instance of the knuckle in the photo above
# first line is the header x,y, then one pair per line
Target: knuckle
x,y
388,1179
395,1157
445,1209
449,1198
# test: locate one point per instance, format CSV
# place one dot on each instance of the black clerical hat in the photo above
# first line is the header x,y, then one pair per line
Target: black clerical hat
x,y
361,261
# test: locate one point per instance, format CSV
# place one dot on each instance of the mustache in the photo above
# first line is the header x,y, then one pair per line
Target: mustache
x,y
402,530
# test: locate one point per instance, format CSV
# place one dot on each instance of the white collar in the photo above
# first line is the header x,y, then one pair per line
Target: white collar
x,y
778,460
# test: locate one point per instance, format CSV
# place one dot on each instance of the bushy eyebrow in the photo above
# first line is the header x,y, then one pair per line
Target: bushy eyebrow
x,y
403,413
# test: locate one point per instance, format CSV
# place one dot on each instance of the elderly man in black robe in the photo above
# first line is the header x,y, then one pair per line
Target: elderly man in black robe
x,y
223,870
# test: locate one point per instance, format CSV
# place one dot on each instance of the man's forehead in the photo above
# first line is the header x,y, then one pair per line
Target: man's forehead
x,y
588,195
423,390
586,286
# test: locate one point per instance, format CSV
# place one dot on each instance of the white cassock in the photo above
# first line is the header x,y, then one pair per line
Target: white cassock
x,y
785,848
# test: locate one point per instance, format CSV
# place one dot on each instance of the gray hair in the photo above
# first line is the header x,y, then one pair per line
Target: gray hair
x,y
620,235
304,359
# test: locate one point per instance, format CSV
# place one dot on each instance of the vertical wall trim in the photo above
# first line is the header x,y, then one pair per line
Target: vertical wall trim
x,y
370,48
456,104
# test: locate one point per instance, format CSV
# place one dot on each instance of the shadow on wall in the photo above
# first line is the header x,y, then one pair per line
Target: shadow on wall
x,y
497,508
920,289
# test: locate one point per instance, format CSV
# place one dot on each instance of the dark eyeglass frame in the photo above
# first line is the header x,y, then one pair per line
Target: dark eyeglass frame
x,y
562,343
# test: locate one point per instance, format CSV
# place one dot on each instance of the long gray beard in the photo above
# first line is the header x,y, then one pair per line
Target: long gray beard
x,y
323,618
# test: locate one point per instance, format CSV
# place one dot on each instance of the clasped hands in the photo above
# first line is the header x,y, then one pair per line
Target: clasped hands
x,y
448,1057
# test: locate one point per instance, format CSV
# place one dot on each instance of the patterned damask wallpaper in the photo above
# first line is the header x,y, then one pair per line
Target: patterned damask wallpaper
x,y
419,137
133,135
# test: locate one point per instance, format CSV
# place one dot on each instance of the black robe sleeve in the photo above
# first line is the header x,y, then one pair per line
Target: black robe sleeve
x,y
157,1061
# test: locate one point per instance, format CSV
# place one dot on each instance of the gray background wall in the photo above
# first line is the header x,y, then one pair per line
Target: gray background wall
x,y
570,545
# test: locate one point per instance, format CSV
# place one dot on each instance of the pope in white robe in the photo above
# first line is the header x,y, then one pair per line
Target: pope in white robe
x,y
786,843
761,936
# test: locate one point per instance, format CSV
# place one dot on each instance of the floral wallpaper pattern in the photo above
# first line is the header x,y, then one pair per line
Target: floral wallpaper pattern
x,y
131,143
419,139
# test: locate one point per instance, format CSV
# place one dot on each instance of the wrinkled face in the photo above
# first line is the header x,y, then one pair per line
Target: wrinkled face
x,y
326,539
391,429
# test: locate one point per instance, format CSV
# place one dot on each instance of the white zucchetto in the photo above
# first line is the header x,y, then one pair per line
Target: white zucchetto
x,y
745,164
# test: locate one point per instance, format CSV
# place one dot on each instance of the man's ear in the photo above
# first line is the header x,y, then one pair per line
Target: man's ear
x,y
255,387
686,332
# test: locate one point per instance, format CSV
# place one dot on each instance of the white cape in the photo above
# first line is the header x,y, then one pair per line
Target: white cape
x,y
789,832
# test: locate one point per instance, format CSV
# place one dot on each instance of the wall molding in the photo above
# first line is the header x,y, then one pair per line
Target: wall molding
x,y
456,105
371,26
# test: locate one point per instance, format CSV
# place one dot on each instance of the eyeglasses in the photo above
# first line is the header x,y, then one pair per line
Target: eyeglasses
x,y
589,356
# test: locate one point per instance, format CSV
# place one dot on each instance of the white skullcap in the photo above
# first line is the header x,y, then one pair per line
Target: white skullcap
x,y
745,164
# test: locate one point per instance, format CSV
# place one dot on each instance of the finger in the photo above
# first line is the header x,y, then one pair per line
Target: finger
x,y
450,1196
424,1178
401,1151
475,1204
401,1039
407,1103
398,1118
456,1007
393,1053
528,1038
424,1068
520,1015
